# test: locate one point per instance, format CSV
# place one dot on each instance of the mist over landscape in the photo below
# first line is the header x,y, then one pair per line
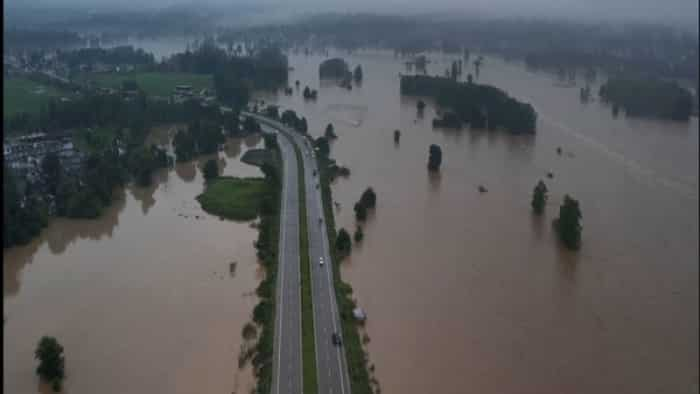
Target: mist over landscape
x,y
370,197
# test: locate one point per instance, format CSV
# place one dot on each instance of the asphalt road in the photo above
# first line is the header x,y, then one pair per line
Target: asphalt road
x,y
287,367
332,371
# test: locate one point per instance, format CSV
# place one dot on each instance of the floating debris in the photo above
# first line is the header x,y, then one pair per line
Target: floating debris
x,y
482,189
559,150
550,175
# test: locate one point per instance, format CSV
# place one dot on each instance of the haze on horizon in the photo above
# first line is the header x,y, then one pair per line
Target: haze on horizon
x,y
679,13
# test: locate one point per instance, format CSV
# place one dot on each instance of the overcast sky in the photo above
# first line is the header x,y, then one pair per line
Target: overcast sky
x,y
667,11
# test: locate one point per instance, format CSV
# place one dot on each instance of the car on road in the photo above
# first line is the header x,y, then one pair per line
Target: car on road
x,y
336,339
320,261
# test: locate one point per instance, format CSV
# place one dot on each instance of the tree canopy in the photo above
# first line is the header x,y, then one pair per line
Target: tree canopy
x,y
51,367
539,198
434,157
568,224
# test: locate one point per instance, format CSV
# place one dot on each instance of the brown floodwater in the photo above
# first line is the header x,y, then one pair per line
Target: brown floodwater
x,y
468,292
142,299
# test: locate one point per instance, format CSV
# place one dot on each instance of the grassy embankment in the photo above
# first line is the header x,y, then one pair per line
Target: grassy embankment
x,y
354,352
308,343
24,95
153,83
234,198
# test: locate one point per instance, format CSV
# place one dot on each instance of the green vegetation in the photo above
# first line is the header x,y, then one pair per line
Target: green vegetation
x,y
343,243
323,147
359,235
22,95
330,132
434,157
234,198
51,367
20,222
94,139
360,211
210,170
567,224
308,344
539,198
249,331
200,137
355,354
368,200
482,106
649,97
153,83
397,136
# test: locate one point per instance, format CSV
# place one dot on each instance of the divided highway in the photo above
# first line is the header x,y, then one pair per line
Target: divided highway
x,y
287,367
332,371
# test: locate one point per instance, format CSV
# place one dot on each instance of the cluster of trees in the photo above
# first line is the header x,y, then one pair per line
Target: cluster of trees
x,y
265,68
211,170
310,94
24,214
324,149
568,224
335,68
434,157
113,56
649,97
482,106
52,363
200,137
368,200
290,118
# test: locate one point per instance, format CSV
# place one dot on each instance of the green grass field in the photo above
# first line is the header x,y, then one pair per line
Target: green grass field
x,y
24,95
233,198
153,83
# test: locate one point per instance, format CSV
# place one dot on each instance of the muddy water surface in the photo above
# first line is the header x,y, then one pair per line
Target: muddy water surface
x,y
142,298
468,292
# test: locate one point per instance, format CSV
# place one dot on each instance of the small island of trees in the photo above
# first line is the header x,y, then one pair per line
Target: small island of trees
x,y
650,98
481,106
51,367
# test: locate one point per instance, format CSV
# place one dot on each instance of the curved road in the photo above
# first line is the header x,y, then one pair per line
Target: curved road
x,y
332,371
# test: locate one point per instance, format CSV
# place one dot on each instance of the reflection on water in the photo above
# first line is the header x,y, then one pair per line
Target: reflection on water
x,y
468,291
141,298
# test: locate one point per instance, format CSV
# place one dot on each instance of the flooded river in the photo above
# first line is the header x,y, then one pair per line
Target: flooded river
x,y
465,292
468,292
142,298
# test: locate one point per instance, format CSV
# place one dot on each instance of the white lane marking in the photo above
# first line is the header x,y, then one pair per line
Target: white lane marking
x,y
281,267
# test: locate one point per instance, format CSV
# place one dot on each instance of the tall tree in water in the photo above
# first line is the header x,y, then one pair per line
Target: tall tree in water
x,y
568,224
357,74
434,157
539,198
51,367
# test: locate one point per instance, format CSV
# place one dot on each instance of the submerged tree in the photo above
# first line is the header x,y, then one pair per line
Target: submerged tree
x,y
211,170
360,211
330,132
51,367
359,235
568,224
539,198
343,242
357,74
434,157
397,136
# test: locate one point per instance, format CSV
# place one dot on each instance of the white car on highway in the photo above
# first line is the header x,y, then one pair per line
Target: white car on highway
x,y
320,261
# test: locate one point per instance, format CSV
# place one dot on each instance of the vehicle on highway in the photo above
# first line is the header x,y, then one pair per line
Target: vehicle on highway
x,y
336,339
320,261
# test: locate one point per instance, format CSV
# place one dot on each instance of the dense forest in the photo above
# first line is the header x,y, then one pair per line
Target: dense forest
x,y
648,98
481,106
113,56
633,48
